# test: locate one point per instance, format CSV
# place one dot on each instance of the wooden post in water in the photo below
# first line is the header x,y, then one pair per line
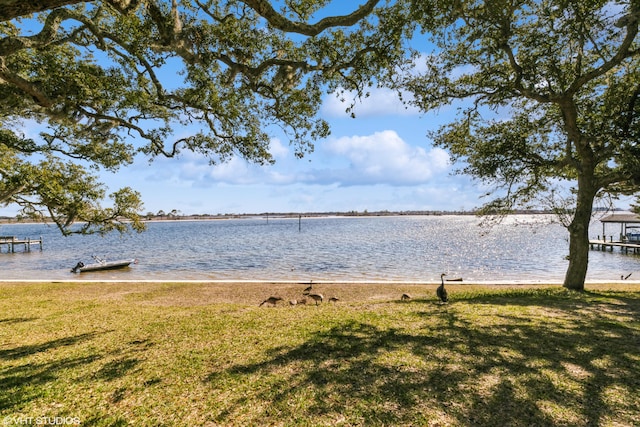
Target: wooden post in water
x,y
12,242
299,222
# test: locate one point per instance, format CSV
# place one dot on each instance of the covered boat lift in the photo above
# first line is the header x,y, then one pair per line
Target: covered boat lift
x,y
629,226
629,237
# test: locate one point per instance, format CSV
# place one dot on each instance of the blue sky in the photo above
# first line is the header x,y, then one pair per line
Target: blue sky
x,y
381,160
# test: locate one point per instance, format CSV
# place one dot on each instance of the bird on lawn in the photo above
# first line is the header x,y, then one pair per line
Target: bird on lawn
x,y
441,291
334,299
405,297
270,300
316,297
308,288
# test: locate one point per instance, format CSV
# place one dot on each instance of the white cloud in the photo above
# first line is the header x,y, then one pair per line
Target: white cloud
x,y
278,149
383,158
380,158
235,171
192,169
380,102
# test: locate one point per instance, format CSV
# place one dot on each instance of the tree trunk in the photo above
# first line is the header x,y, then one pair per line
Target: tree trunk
x,y
578,255
579,237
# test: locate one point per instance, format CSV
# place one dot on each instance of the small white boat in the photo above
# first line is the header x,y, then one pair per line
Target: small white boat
x,y
102,264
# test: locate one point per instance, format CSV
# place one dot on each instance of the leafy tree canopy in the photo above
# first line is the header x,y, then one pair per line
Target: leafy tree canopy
x,y
552,93
114,78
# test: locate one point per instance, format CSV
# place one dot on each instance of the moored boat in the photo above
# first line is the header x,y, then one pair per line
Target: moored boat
x,y
101,264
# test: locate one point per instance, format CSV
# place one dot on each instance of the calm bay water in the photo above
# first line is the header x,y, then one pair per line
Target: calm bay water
x,y
402,248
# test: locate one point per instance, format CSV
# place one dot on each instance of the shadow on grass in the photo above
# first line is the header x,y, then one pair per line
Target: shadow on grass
x,y
23,378
123,364
14,320
26,350
579,366
116,368
22,382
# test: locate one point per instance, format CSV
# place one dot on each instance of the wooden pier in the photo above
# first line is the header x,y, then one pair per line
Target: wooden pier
x,y
12,241
625,247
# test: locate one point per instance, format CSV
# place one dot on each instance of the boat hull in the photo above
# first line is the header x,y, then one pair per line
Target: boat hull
x,y
106,265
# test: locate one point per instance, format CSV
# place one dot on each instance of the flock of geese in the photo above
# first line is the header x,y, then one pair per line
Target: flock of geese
x,y
307,292
318,298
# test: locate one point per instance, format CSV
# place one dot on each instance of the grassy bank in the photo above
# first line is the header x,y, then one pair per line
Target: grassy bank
x,y
112,354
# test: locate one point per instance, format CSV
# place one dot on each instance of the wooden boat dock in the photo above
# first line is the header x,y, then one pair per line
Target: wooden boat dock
x,y
11,242
628,237
603,245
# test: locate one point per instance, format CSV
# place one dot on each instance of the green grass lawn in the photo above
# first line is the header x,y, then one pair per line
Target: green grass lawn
x,y
115,354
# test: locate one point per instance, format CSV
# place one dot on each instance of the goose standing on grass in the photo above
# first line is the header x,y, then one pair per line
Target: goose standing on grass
x,y
270,300
441,291
316,297
405,297
308,289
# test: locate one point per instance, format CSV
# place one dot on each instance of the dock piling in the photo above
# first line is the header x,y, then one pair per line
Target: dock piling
x,y
12,241
604,245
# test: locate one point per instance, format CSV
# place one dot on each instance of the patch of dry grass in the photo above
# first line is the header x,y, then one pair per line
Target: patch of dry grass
x,y
149,354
